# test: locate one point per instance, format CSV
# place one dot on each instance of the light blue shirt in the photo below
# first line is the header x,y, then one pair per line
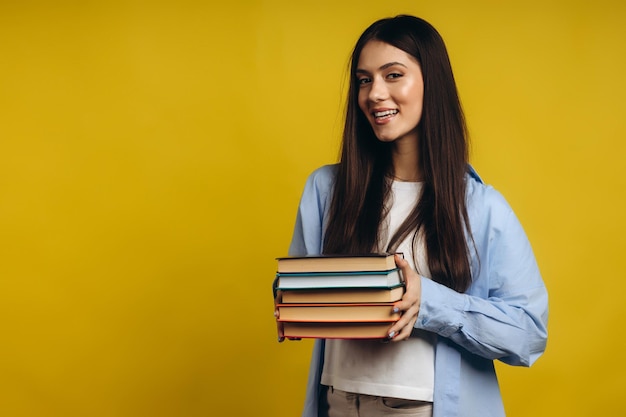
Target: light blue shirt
x,y
503,314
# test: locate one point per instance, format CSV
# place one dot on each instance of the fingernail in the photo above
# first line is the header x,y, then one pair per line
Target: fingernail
x,y
395,310
280,339
391,335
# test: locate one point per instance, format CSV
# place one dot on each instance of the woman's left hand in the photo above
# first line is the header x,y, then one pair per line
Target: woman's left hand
x,y
409,305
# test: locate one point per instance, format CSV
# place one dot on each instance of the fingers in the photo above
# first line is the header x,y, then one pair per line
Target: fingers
x,y
402,264
279,324
409,305
280,328
401,330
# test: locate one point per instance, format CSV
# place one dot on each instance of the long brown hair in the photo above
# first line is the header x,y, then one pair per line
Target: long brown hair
x,y
361,187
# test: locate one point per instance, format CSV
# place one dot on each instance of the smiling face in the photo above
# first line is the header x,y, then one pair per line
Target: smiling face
x,y
391,91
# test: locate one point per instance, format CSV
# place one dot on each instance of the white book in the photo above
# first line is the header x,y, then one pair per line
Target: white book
x,y
361,279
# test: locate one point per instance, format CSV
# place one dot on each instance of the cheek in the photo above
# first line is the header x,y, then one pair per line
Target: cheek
x,y
414,97
411,93
362,102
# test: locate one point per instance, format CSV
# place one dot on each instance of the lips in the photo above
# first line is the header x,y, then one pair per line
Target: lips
x,y
384,113
383,116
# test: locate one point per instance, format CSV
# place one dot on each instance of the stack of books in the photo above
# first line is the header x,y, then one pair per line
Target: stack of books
x,y
341,297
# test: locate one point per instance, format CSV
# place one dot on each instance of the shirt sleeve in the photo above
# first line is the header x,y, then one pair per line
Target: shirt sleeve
x,y
307,238
504,313
308,230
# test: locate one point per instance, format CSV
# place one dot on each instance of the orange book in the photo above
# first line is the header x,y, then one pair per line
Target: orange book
x,y
337,263
337,312
378,330
343,295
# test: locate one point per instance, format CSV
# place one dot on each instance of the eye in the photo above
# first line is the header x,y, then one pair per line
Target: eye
x,y
394,75
363,80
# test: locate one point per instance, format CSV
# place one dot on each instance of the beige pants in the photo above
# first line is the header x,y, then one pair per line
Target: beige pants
x,y
336,403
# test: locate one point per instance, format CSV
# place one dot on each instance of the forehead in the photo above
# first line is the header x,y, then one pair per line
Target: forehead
x,y
377,53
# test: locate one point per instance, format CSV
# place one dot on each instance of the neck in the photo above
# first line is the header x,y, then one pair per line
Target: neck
x,y
405,158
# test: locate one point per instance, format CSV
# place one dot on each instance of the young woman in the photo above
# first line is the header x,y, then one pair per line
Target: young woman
x,y
473,293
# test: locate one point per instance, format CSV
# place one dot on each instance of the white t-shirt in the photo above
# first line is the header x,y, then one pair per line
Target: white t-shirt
x,y
402,369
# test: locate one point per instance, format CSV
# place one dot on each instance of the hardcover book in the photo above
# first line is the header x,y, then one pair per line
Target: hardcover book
x,y
337,263
343,295
377,330
321,313
353,279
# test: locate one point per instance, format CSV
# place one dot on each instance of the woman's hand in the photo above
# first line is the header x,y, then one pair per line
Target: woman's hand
x,y
279,324
409,305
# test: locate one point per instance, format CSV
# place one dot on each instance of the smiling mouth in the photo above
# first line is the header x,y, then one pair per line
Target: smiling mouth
x,y
383,114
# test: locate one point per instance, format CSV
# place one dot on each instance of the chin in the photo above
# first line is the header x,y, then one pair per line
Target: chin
x,y
386,139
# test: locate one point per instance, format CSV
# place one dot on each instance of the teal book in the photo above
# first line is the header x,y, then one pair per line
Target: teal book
x,y
342,295
355,279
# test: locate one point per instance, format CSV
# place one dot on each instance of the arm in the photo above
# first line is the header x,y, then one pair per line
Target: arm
x,y
308,231
509,329
504,313
307,234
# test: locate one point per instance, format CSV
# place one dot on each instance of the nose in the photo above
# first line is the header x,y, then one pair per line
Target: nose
x,y
378,90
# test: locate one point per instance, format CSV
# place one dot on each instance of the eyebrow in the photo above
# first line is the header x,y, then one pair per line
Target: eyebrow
x,y
382,67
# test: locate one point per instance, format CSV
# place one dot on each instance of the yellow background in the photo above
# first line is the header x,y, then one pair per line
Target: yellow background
x,y
152,154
